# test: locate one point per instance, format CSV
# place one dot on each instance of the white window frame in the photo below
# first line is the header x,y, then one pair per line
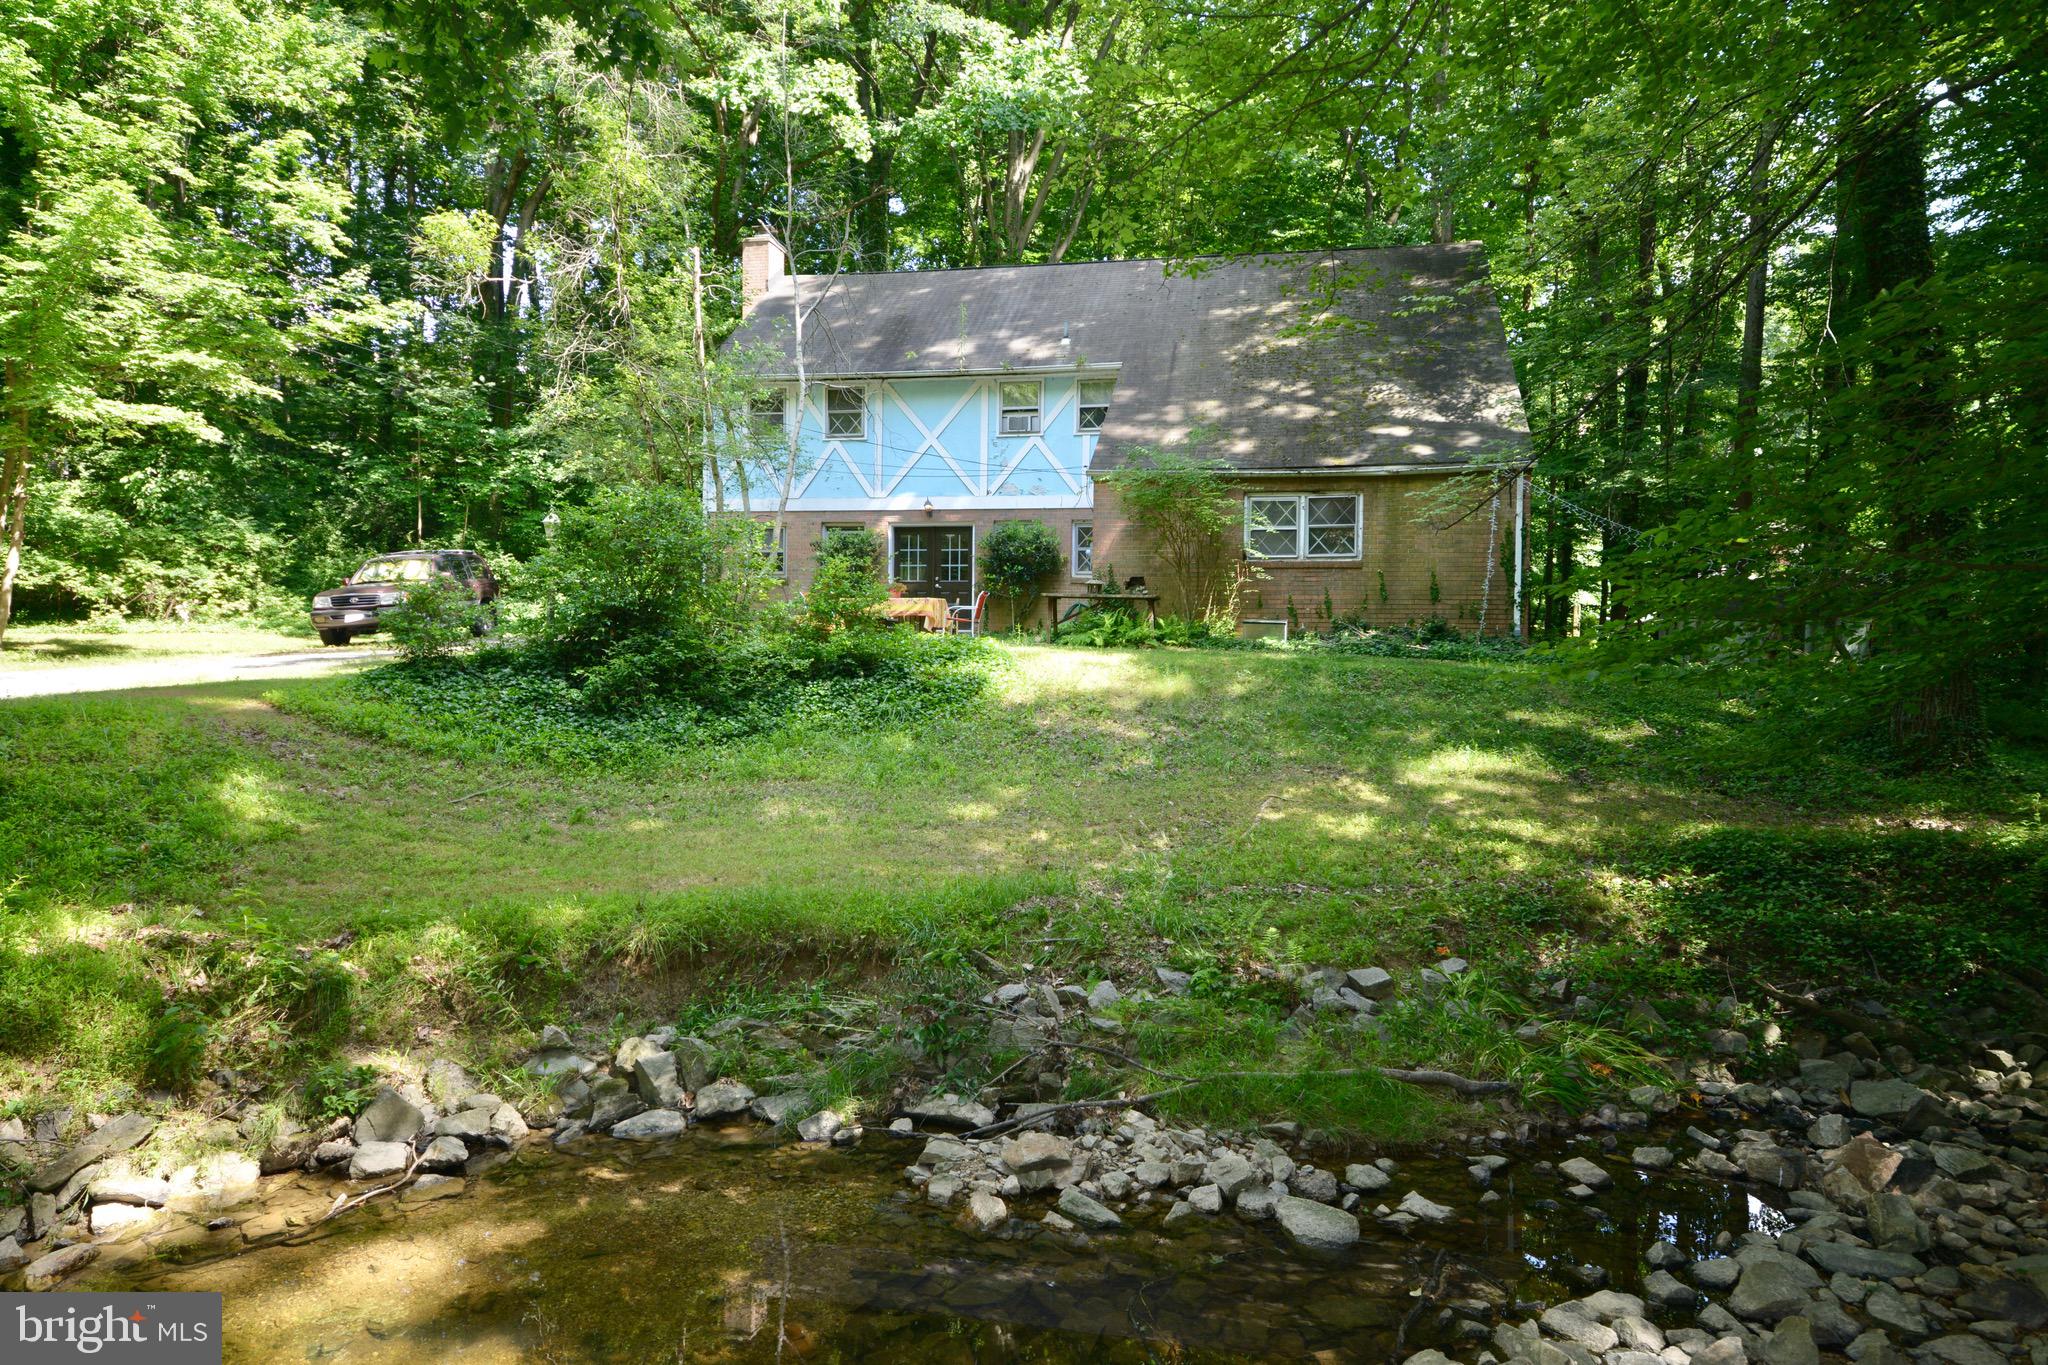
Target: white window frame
x,y
1004,407
1357,550
1082,405
861,391
774,550
1074,564
1251,498
1301,551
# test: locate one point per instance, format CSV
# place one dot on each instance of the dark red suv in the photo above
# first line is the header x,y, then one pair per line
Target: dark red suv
x,y
340,614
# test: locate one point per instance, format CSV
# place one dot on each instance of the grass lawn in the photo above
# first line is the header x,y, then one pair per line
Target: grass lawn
x,y
56,646
295,890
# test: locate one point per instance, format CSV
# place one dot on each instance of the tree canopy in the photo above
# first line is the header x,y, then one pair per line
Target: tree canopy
x,y
285,281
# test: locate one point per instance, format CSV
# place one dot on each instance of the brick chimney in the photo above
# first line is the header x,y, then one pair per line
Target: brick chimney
x,y
761,268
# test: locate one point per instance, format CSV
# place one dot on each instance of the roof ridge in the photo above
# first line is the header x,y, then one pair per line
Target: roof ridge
x,y
1224,256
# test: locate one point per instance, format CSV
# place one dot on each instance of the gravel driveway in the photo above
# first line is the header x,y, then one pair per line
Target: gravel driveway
x,y
214,668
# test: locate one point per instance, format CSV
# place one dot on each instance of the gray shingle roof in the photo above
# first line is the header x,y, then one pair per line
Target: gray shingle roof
x,y
1297,360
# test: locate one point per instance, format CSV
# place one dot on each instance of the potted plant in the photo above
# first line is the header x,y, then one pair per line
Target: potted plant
x,y
898,589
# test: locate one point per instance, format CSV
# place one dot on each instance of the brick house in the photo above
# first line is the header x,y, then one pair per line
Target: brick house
x,y
1345,391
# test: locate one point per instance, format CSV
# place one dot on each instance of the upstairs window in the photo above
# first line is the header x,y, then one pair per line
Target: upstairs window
x,y
1084,549
767,413
1093,410
846,412
1310,526
1020,406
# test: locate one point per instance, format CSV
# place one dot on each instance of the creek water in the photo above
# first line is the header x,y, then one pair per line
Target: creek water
x,y
728,1246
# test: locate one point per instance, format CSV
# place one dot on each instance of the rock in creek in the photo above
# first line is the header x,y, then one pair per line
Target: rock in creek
x,y
950,1111
655,1125
1089,1213
115,1135
1315,1226
376,1160
390,1117
722,1100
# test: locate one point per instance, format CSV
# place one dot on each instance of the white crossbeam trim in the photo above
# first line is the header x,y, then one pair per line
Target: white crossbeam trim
x,y
1038,443
931,441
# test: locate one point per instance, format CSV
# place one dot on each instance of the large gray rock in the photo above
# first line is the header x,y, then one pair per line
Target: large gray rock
x,y
983,1213
1373,983
1899,1103
1366,1178
1570,1322
1087,1212
444,1154
655,1080
722,1100
656,1125
12,1257
1415,1205
1792,1344
1895,1225
218,1180
1315,1226
448,1083
1770,1289
559,1061
144,1191
1665,1290
470,1125
1040,1161
1230,1173
822,1126
118,1134
950,1111
47,1270
390,1117
1890,1309
1960,1349
695,1062
1585,1172
376,1160
1863,1262
779,1109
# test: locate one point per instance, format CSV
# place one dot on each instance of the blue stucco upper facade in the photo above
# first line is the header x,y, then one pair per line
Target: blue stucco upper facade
x,y
1014,439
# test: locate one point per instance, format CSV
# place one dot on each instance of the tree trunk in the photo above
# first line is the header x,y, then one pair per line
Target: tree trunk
x,y
15,471
1886,245
1749,373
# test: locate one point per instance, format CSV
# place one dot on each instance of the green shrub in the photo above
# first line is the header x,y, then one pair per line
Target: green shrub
x,y
861,546
642,563
1015,556
435,617
337,1090
844,592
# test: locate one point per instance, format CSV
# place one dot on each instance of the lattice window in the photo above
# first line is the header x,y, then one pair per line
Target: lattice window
x,y
1272,527
846,412
1332,526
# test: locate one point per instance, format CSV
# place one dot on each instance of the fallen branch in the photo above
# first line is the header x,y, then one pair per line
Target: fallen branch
x,y
344,1202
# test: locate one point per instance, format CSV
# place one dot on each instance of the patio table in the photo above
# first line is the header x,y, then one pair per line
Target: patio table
x,y
928,612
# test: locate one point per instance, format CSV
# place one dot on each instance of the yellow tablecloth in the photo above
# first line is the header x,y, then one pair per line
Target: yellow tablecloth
x,y
929,611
